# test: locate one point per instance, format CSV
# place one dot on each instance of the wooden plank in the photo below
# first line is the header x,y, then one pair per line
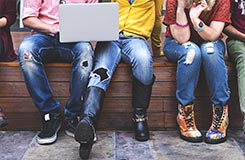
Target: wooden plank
x,y
111,105
117,109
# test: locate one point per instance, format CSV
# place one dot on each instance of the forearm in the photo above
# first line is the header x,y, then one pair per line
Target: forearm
x,y
232,32
39,26
180,30
208,32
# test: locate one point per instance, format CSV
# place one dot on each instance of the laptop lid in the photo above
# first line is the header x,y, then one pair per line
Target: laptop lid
x,y
88,22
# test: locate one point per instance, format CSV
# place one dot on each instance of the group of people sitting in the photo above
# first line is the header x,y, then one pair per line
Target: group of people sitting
x,y
193,40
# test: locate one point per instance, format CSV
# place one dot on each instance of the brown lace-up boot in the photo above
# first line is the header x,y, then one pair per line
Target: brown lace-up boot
x,y
186,121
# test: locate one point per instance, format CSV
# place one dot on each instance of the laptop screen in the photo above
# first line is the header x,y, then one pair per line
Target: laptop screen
x,y
88,22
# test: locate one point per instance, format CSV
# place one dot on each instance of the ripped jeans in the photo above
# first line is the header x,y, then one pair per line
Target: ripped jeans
x,y
37,49
131,50
189,58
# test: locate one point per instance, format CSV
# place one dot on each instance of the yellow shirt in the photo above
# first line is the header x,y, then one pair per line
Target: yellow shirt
x,y
142,19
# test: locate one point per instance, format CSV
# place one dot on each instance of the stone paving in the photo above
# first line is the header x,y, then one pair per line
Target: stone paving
x,y
120,145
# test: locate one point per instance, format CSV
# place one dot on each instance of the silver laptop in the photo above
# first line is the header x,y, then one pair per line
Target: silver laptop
x,y
88,22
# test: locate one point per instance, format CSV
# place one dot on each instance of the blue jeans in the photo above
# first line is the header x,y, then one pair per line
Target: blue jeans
x,y
38,49
189,58
131,50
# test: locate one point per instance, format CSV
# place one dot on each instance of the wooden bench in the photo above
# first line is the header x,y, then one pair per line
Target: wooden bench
x,y
117,110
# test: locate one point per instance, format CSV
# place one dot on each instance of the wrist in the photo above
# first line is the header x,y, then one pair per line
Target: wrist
x,y
181,25
201,26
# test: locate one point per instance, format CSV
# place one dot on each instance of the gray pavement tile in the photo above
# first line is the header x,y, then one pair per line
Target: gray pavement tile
x,y
13,144
239,136
166,145
121,145
66,148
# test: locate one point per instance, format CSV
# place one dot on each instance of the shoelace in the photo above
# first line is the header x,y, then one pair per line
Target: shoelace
x,y
189,116
218,118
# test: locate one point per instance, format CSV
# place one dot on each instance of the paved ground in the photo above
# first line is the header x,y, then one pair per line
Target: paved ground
x,y
119,145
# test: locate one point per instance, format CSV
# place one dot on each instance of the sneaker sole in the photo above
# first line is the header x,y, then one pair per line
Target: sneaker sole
x,y
73,135
69,133
48,140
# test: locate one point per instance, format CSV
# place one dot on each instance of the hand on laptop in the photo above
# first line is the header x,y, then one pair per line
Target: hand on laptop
x,y
54,29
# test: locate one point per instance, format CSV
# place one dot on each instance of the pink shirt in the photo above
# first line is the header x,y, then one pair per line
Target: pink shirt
x,y
47,10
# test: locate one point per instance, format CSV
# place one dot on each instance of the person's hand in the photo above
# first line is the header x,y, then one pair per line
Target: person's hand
x,y
54,29
197,9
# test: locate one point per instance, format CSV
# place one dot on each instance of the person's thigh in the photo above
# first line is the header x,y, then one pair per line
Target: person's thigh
x,y
37,47
136,52
107,58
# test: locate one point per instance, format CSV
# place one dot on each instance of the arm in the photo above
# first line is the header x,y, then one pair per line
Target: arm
x,y
39,26
47,23
180,34
9,14
209,33
156,39
232,32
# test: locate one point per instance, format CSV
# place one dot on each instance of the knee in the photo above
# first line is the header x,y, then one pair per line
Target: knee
x,y
213,50
192,56
84,57
25,51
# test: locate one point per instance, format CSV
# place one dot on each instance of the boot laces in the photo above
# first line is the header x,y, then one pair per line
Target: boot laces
x,y
217,118
189,118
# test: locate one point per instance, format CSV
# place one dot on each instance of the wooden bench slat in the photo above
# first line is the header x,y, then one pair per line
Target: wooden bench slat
x,y
117,109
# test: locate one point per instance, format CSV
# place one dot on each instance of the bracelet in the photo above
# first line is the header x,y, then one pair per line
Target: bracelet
x,y
201,29
181,26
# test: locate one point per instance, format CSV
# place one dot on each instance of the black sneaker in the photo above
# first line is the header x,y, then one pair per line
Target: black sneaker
x,y
84,135
70,126
51,125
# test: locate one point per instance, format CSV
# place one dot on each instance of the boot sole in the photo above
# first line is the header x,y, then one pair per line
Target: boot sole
x,y
84,132
85,136
193,140
212,141
142,139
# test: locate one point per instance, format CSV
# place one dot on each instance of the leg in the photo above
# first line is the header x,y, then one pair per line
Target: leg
x,y
188,59
217,80
137,54
236,50
81,58
32,52
107,57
